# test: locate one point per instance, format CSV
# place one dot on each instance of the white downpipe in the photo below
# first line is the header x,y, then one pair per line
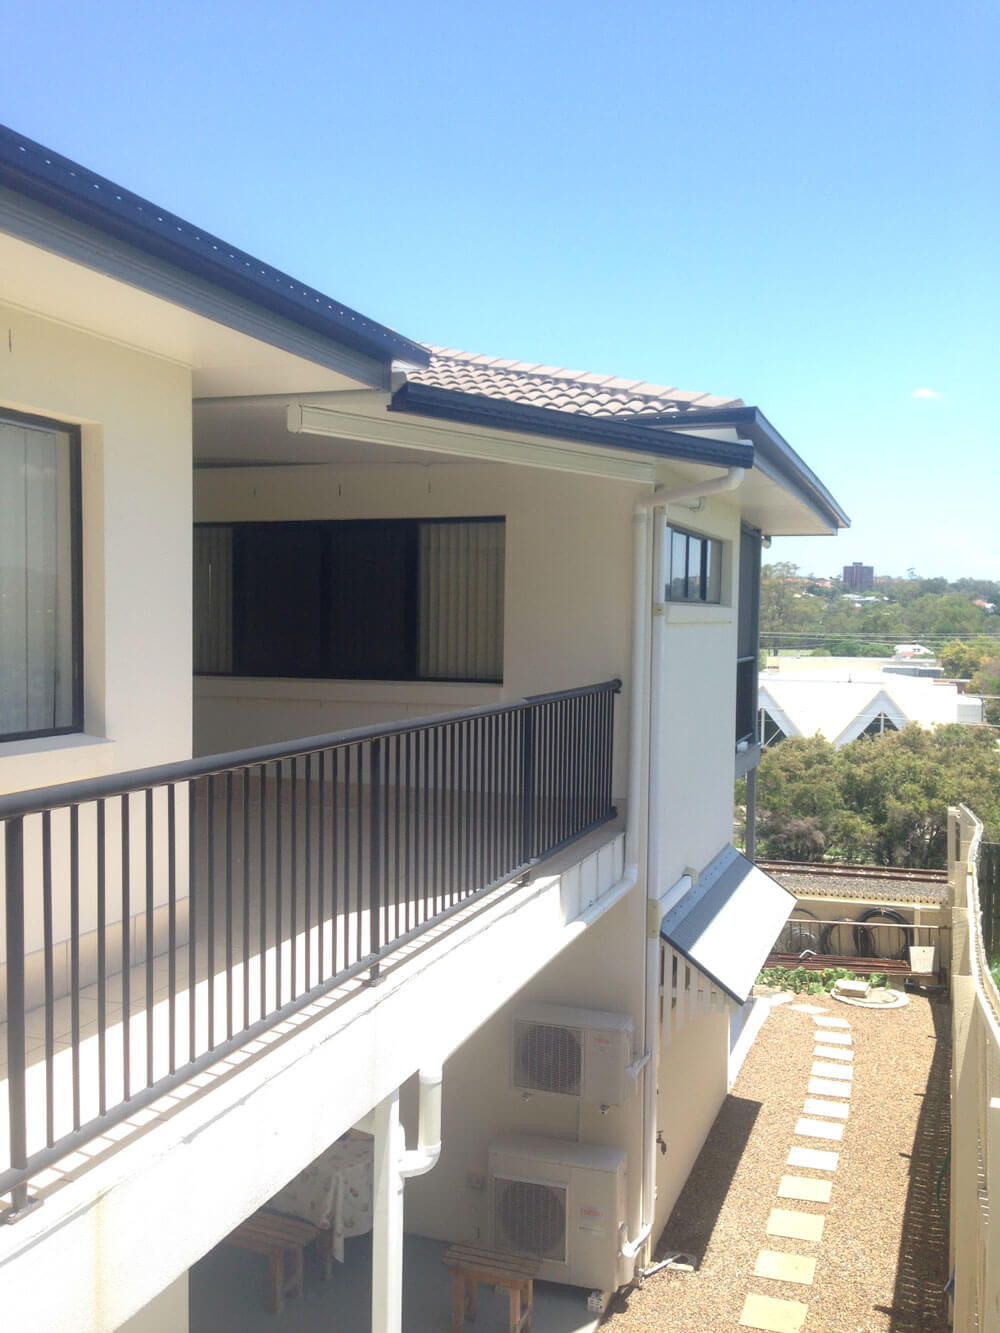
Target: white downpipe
x,y
393,1165
648,662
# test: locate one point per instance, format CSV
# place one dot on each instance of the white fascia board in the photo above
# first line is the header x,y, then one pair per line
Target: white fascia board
x,y
465,441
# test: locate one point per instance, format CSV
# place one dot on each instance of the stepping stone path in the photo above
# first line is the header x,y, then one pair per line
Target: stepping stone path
x,y
824,1111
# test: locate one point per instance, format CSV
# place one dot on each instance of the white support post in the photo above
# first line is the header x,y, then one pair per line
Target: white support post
x,y
387,1230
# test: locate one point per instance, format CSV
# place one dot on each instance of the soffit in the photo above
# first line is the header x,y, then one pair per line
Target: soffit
x,y
222,360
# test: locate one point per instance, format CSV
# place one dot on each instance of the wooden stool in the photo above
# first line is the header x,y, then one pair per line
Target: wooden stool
x,y
469,1266
281,1239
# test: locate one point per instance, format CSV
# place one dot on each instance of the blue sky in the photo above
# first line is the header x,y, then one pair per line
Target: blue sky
x,y
796,203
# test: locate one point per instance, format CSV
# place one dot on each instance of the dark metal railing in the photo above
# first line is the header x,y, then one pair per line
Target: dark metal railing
x,y
185,909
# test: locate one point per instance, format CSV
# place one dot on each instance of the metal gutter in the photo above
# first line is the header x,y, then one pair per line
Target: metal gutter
x,y
773,455
479,410
33,171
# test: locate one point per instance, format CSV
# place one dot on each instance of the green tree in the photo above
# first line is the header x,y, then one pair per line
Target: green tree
x,y
962,660
881,799
986,681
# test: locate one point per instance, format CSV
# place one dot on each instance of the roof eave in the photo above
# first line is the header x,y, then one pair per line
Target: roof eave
x,y
478,410
773,453
31,170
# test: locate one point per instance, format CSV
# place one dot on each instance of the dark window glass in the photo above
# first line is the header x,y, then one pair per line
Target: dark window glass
x,y
396,599
695,567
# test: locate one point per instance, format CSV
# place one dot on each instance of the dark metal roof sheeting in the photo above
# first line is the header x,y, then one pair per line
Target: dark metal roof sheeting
x,y
31,169
495,414
726,924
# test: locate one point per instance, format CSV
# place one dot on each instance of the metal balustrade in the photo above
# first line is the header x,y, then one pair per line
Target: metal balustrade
x,y
157,921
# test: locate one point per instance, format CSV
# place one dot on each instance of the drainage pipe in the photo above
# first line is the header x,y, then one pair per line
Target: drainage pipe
x,y
646,761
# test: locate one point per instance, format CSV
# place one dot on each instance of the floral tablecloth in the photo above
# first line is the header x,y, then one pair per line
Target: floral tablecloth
x,y
334,1191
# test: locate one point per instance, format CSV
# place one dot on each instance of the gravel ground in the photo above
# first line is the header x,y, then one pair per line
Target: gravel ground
x,y
883,1258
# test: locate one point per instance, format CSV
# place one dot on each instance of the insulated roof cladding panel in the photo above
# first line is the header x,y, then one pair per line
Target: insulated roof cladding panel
x,y
726,924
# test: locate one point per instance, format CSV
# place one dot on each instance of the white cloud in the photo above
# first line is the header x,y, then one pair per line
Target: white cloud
x,y
924,393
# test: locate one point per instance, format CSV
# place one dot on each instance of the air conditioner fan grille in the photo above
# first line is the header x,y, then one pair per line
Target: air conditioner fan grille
x,y
549,1058
531,1218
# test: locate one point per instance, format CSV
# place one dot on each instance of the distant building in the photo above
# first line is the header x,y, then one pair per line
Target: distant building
x,y
859,577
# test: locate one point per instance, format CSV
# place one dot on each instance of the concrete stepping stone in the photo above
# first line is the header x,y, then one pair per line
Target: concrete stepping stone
x,y
828,1022
824,1069
834,1038
772,1314
833,1053
816,1158
805,1189
818,1106
794,1225
819,1129
808,1009
784,1267
829,1087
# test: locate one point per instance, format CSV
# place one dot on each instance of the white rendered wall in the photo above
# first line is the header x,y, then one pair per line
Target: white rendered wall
x,y
567,594
134,412
135,417
602,970
166,1313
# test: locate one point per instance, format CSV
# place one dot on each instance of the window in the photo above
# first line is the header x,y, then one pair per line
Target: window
x,y
41,687
747,635
400,599
695,567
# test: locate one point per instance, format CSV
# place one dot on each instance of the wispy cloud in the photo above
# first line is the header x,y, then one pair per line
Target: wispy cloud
x,y
924,393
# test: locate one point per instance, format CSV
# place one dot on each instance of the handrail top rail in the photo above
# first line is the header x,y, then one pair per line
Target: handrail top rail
x,y
64,794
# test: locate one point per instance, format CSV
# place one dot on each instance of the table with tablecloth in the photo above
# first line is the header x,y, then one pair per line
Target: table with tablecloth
x,y
334,1192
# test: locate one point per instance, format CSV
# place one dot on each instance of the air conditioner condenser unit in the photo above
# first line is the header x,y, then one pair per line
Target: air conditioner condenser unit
x,y
585,1053
564,1204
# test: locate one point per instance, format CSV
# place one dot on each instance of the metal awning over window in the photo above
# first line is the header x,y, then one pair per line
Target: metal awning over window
x,y
726,924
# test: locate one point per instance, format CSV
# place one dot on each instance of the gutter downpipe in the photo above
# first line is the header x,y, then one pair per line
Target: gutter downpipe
x,y
646,759
394,1165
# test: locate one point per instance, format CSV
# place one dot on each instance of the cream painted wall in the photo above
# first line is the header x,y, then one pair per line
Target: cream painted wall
x,y
693,1086
568,580
135,415
599,971
134,411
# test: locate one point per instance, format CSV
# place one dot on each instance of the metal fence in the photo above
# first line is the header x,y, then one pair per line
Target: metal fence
x,y
161,919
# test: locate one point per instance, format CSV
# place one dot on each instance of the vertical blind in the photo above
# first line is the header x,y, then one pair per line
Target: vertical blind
x,y
385,599
38,653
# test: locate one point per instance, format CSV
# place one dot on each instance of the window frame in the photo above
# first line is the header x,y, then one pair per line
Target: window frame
x,y
711,559
408,529
75,506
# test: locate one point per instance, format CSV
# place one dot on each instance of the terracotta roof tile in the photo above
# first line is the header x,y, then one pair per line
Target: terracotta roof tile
x,y
554,387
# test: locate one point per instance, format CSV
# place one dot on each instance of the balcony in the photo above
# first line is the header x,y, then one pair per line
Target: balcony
x,y
160,922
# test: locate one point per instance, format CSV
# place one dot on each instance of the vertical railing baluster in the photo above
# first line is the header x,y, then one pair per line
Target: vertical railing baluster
x,y
74,955
193,930
396,743
528,719
150,941
263,951
245,919
335,960
172,927
360,843
48,964
278,886
126,952
348,754
293,877
375,850
16,1055
307,872
228,906
321,868
210,904
102,959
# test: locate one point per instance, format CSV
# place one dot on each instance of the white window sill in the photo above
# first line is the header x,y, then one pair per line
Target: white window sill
x,y
693,613
42,761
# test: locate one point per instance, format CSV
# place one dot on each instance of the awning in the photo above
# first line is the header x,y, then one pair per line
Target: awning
x,y
726,924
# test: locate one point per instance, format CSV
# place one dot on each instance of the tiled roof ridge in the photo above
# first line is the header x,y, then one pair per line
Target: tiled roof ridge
x,y
613,384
